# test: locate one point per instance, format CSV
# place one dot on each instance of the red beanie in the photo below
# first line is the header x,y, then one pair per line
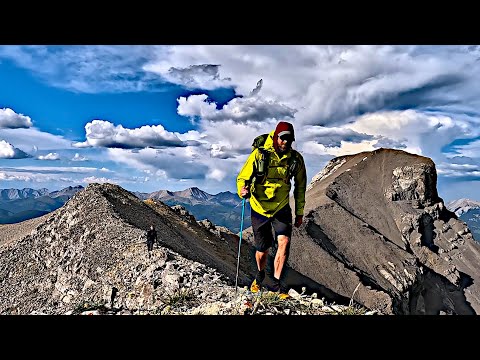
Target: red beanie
x,y
282,128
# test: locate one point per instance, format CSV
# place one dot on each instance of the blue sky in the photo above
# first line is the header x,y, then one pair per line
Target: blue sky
x,y
171,117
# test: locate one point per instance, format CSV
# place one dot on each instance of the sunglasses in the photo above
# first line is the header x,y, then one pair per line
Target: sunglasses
x,y
286,137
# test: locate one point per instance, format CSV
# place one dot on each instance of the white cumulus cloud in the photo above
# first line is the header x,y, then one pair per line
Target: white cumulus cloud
x,y
9,119
100,133
78,157
8,151
49,156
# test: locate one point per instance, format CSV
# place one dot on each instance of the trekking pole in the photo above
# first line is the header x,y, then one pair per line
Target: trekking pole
x,y
239,244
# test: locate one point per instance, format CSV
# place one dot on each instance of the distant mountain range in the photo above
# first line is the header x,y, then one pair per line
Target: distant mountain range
x,y
223,209
469,211
17,205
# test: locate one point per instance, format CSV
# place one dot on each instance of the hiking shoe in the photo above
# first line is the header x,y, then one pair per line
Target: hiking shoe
x,y
280,295
283,292
280,290
255,287
283,296
275,287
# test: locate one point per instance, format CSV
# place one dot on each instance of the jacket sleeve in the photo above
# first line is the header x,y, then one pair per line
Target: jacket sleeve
x,y
246,172
300,186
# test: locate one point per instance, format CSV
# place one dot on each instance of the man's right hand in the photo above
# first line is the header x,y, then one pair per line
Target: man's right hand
x,y
244,192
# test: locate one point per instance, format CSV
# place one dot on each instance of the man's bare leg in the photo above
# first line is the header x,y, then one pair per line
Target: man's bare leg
x,y
261,258
281,256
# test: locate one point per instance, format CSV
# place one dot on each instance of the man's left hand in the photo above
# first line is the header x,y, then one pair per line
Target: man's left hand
x,y
298,220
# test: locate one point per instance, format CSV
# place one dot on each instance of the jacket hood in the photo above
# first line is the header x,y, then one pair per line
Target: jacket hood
x,y
269,144
269,141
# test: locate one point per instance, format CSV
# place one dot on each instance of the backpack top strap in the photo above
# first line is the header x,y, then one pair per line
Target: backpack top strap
x,y
259,141
293,164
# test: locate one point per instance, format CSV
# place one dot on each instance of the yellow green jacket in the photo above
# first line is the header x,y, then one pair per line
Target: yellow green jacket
x,y
271,196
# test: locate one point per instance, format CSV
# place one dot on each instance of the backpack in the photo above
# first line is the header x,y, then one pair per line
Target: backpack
x,y
260,170
151,235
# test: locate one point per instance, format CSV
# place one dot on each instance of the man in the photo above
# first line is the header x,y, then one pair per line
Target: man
x,y
269,200
151,238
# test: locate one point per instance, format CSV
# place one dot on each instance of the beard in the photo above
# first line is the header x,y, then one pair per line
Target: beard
x,y
282,149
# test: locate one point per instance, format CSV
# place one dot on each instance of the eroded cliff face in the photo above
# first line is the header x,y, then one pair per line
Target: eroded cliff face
x,y
374,220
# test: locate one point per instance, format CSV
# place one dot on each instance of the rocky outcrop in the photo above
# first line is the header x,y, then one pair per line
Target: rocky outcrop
x,y
375,220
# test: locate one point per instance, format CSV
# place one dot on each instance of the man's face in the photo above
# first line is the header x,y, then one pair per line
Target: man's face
x,y
284,142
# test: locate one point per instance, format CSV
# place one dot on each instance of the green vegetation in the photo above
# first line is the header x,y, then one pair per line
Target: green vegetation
x,y
179,297
88,306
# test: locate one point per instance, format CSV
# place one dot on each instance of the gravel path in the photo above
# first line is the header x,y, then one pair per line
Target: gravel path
x,y
12,232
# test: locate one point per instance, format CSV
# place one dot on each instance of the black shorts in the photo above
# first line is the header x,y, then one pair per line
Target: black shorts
x,y
262,227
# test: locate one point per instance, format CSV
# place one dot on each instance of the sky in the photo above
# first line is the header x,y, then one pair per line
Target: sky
x,y
151,118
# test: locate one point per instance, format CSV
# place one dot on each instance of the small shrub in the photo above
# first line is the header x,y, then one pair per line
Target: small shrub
x,y
269,299
88,306
179,297
353,310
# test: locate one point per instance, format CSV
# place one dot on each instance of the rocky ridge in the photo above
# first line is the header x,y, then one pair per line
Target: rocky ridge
x,y
376,236
89,257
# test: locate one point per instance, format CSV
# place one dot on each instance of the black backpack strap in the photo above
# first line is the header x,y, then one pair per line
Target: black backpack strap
x,y
259,141
293,164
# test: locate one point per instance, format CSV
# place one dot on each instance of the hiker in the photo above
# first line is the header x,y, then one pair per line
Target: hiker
x,y
269,199
151,238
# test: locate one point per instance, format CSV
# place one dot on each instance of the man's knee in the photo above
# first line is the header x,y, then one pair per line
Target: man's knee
x,y
261,254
